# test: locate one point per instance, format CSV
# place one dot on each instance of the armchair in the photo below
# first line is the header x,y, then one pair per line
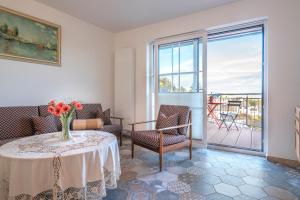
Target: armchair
x,y
160,142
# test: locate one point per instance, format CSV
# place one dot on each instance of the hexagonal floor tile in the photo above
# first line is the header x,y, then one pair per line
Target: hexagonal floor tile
x,y
244,197
252,191
232,180
279,193
202,188
167,195
217,196
210,179
203,164
227,190
255,181
191,196
177,170
179,187
195,171
236,172
164,177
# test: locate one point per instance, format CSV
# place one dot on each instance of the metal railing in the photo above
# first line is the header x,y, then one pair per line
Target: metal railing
x,y
250,113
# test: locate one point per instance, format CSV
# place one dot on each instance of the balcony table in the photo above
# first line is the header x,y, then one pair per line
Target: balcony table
x,y
46,167
211,106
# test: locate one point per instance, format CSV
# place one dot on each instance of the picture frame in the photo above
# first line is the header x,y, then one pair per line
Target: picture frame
x,y
27,38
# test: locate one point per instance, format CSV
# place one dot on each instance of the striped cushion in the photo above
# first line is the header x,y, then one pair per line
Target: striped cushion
x,y
164,122
87,124
151,138
44,124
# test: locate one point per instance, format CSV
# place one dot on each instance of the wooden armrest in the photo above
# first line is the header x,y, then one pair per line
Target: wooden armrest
x,y
121,118
174,127
142,122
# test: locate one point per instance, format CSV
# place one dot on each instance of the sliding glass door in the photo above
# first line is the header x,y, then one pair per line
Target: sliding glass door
x,y
235,74
227,61
180,78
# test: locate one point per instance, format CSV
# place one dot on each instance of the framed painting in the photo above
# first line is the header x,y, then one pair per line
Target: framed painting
x,y
26,38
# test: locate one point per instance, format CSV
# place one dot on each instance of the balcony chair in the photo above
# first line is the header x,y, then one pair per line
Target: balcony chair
x,y
231,114
165,138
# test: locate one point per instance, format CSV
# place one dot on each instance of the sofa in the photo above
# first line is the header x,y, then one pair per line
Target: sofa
x,y
16,122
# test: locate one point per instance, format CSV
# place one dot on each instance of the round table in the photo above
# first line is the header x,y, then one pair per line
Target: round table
x,y
44,166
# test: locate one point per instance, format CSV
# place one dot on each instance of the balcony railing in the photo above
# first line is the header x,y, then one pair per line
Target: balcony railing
x,y
250,113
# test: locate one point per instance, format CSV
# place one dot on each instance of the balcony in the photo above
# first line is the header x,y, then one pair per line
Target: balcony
x,y
249,122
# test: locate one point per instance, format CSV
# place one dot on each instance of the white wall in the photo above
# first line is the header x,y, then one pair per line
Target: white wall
x,y
86,72
283,58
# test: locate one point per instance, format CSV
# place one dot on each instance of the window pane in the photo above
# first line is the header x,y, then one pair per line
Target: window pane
x,y
176,83
175,59
235,64
165,60
186,82
186,57
165,84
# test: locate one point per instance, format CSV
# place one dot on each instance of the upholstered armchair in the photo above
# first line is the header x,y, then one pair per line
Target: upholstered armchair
x,y
165,138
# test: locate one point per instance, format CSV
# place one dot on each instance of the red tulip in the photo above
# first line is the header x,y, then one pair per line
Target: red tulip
x,y
51,103
79,106
57,112
74,103
51,109
60,105
66,108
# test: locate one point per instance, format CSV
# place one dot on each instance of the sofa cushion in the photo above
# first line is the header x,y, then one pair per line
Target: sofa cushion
x,y
114,128
44,124
89,111
16,121
151,138
164,121
105,116
183,113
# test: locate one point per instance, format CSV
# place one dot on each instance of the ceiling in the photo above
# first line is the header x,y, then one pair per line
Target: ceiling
x,y
121,15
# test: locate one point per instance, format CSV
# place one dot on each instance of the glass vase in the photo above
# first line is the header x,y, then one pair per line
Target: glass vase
x,y
66,122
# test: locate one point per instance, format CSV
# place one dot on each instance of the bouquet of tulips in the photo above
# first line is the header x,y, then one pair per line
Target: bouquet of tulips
x,y
65,113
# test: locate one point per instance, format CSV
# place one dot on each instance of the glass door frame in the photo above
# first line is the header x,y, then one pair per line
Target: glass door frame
x,y
153,74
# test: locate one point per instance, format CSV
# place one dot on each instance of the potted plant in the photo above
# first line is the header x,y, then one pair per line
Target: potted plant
x,y
65,114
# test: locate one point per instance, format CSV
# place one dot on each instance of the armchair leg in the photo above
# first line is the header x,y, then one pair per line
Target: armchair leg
x,y
132,149
160,161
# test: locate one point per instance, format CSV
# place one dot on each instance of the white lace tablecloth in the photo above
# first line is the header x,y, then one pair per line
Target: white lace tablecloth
x,y
45,167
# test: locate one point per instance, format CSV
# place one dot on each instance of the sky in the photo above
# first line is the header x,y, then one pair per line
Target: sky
x,y
234,65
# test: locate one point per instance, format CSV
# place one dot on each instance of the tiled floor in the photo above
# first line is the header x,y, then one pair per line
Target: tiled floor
x,y
245,137
211,175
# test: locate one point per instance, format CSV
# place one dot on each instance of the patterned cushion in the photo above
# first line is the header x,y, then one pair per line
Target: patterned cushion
x,y
183,112
105,116
89,111
16,121
164,122
114,128
151,138
44,124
